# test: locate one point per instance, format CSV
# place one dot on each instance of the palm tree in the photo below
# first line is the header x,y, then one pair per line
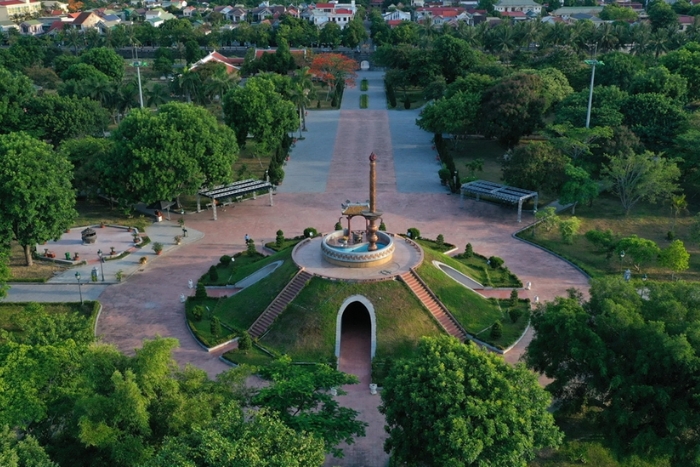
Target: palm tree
x,y
73,38
157,95
605,37
189,84
427,31
556,34
528,33
302,92
641,39
92,38
469,34
127,97
501,40
219,83
693,31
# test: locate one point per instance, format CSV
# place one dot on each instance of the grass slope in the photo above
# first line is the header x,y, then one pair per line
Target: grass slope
x,y
242,309
475,313
306,330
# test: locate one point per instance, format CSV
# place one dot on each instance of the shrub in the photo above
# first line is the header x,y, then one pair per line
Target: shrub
x,y
669,235
444,175
198,313
245,343
213,273
407,103
513,298
250,248
215,327
364,84
200,291
276,175
414,233
515,314
495,262
469,251
338,226
440,240
157,247
310,232
568,228
279,239
225,260
364,101
382,226
496,330
391,95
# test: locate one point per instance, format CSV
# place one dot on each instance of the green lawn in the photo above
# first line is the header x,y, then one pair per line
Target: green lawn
x,y
646,220
9,313
306,329
202,328
287,243
241,267
92,212
475,313
254,357
489,151
242,309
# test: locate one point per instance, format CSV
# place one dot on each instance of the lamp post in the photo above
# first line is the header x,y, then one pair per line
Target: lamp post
x,y
593,63
102,260
138,64
622,256
80,287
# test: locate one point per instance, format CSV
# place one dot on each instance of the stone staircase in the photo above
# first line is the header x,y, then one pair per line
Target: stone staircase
x,y
436,308
289,293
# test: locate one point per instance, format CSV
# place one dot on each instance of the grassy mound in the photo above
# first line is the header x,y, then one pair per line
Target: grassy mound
x,y
474,312
306,330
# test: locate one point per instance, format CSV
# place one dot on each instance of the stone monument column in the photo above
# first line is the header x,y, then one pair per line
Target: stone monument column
x,y
373,214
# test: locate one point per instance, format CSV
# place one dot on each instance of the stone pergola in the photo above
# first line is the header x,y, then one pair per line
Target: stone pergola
x,y
496,191
233,191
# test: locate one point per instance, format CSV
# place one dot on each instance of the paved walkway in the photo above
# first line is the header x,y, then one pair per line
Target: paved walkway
x,y
410,196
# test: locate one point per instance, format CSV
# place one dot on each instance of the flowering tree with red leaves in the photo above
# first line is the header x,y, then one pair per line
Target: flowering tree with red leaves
x,y
336,70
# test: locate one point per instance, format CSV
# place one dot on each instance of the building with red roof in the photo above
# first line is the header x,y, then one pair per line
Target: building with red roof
x,y
333,12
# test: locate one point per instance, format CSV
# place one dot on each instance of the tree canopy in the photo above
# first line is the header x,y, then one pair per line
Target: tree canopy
x,y
35,186
455,405
175,151
633,359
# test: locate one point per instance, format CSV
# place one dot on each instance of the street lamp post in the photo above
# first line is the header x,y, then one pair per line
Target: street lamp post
x,y
622,256
102,260
593,64
80,287
138,64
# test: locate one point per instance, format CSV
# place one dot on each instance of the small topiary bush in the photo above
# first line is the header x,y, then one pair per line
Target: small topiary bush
x,y
338,226
250,248
225,260
198,313
514,314
414,233
310,232
364,101
469,251
200,291
382,227
495,262
245,343
215,327
440,240
213,274
513,298
279,239
496,330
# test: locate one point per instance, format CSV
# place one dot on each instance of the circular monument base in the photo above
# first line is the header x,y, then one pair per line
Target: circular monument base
x,y
336,250
406,255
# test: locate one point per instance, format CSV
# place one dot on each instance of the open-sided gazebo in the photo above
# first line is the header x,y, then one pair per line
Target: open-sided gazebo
x,y
496,191
233,192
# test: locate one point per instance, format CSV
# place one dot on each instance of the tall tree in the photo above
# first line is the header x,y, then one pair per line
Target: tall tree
x,y
176,151
578,187
641,176
260,110
301,399
675,257
535,166
15,90
632,360
513,108
455,405
35,185
106,60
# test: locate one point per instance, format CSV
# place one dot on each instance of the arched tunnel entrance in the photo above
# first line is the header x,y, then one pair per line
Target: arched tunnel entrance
x,y
356,335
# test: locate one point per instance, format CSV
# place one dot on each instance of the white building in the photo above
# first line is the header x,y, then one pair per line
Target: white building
x,y
524,6
11,9
333,12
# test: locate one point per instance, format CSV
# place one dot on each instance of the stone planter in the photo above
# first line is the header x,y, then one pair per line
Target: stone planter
x,y
89,235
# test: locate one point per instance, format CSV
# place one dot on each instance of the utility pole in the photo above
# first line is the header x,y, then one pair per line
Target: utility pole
x,y
137,64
